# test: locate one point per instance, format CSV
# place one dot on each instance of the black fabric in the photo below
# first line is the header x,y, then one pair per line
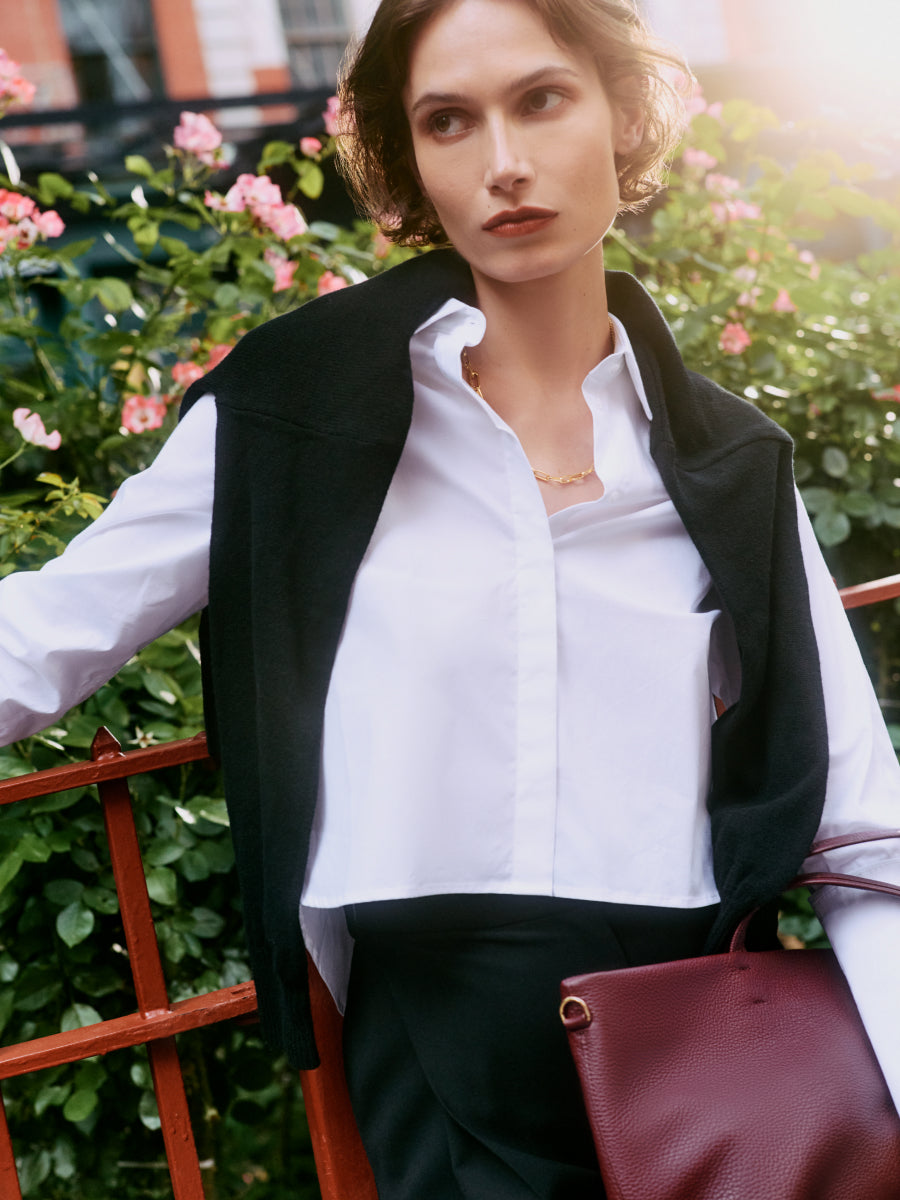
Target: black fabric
x,y
313,409
458,1067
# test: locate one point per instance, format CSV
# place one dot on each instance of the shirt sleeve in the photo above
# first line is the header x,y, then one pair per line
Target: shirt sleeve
x,y
138,570
863,794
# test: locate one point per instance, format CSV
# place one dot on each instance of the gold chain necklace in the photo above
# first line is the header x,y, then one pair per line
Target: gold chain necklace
x,y
540,476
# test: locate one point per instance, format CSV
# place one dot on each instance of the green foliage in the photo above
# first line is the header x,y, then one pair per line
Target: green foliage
x,y
101,336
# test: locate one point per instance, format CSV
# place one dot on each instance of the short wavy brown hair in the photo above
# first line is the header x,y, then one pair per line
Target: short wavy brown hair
x,y
375,153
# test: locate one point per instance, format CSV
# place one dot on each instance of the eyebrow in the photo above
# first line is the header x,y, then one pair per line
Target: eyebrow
x,y
432,99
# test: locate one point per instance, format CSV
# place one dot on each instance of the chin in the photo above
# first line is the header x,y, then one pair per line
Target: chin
x,y
529,265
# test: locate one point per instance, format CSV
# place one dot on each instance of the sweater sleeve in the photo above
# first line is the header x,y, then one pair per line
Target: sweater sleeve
x,y
863,793
138,570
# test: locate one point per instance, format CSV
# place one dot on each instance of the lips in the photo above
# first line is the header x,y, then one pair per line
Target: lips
x,y
517,222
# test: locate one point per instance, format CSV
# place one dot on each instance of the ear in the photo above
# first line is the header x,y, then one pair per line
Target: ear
x,y
629,129
629,108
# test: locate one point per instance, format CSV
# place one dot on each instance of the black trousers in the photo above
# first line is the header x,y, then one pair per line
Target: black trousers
x,y
457,1063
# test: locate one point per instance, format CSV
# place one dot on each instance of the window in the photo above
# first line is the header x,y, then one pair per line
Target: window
x,y
316,32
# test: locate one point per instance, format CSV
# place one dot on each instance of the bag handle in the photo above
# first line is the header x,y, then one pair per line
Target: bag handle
x,y
853,839
829,878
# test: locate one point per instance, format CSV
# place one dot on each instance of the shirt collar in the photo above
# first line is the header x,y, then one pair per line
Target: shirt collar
x,y
457,324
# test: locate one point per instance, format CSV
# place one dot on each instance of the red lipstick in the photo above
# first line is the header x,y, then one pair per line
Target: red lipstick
x,y
518,222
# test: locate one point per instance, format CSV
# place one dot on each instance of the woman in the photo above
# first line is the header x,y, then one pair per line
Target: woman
x,y
478,555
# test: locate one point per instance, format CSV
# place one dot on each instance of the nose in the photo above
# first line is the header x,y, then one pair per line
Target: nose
x,y
507,167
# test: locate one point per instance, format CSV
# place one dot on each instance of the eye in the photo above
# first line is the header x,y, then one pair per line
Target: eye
x,y
542,100
446,124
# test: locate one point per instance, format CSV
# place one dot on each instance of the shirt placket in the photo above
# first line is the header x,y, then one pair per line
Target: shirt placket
x,y
536,678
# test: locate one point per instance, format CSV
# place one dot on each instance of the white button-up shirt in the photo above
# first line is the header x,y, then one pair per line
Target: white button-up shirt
x,y
519,703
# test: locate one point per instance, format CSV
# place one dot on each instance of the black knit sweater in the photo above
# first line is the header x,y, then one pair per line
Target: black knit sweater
x,y
313,410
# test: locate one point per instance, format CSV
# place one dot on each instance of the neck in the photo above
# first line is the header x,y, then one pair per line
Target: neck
x,y
550,331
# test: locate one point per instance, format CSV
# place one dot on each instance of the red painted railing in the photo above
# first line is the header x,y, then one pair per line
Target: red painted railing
x,y
341,1163
344,1172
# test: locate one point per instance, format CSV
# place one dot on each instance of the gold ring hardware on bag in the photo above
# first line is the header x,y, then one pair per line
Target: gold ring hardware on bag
x,y
579,1020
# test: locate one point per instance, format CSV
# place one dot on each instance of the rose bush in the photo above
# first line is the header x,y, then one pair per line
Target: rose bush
x,y
738,257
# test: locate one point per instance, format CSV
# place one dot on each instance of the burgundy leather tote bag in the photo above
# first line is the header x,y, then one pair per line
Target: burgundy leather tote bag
x,y
738,1076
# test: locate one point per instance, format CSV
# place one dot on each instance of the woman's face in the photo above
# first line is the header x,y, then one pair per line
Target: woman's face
x,y
514,140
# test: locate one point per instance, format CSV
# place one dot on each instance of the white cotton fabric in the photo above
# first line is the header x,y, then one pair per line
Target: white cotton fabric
x,y
519,703
474,733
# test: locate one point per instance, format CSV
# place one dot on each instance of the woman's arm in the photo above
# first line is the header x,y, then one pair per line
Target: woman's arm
x,y
863,793
139,569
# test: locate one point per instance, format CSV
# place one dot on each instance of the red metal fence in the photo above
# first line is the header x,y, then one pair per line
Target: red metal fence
x,y
343,1170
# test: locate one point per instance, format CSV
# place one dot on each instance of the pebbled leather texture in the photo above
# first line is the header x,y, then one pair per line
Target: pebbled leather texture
x,y
738,1076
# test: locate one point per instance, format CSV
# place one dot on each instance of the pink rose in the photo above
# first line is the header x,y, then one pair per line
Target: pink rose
x,y
695,103
310,146
196,134
807,257
31,427
140,413
216,354
734,338
890,395
283,267
15,207
381,245
216,202
743,210
332,116
257,190
722,185
50,224
285,220
186,373
14,88
783,302
329,282
693,157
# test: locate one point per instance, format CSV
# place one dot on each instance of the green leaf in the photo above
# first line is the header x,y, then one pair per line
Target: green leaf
x,y
51,1094
114,294
831,527
215,811
33,1171
194,866
146,235
275,153
859,504
33,848
852,202
63,1155
136,164
63,891
75,923
228,295
311,180
148,1111
818,499
101,899
9,868
80,1105
52,186
206,923
162,884
34,1000
161,853
79,1015
90,1075
835,462
98,981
